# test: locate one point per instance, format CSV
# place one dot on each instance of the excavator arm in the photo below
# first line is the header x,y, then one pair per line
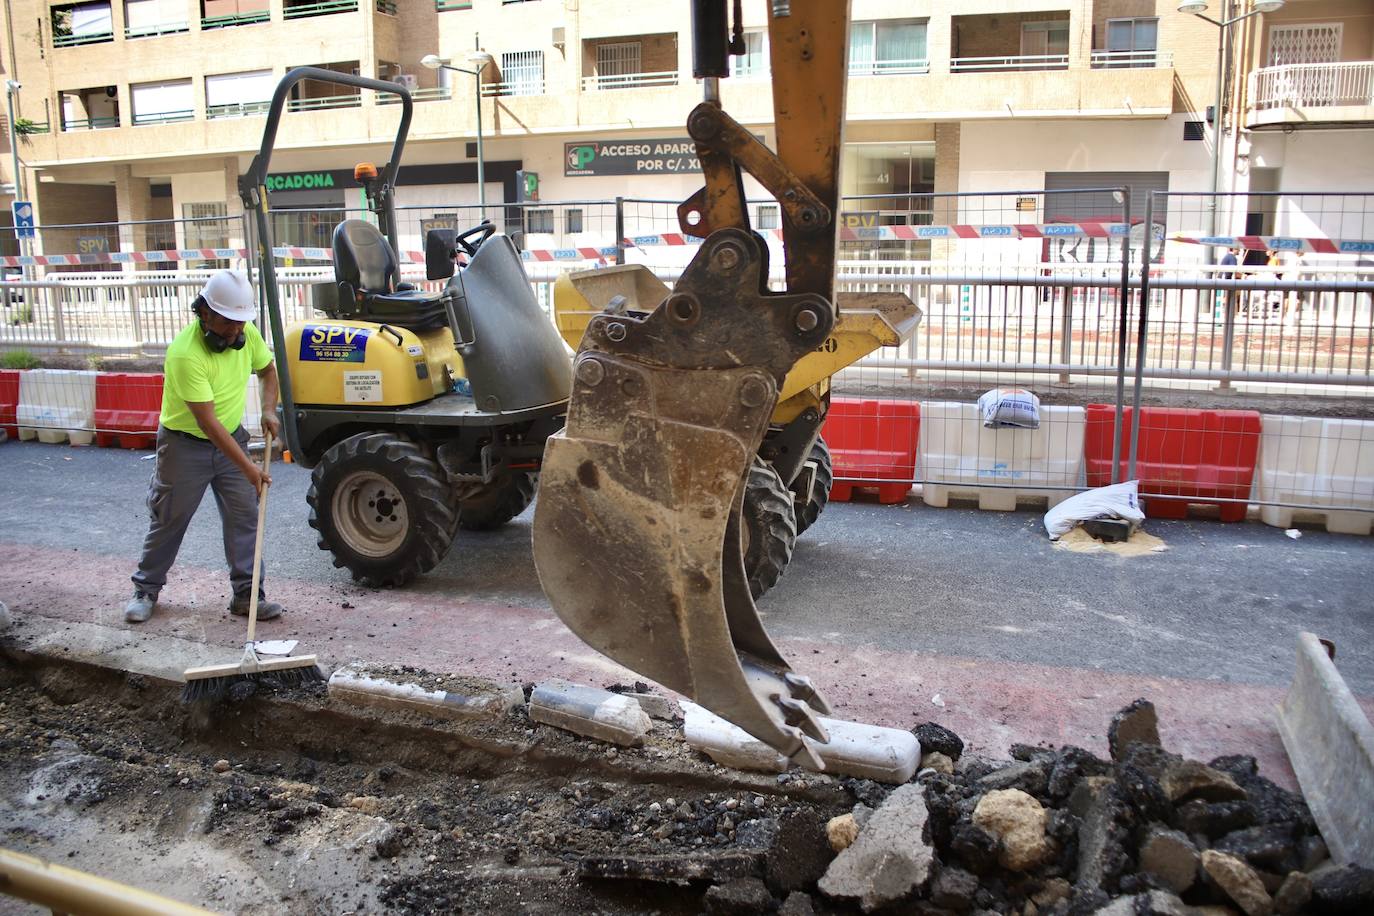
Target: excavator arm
x,y
637,531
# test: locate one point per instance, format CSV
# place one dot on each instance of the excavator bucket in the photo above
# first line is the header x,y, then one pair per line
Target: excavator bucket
x,y
637,537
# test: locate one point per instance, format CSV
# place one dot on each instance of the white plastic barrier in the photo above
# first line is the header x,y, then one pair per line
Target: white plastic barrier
x,y
1316,461
56,405
998,466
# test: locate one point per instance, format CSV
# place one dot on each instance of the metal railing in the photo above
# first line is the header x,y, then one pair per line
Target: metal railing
x,y
428,94
1112,60
1313,85
70,41
324,8
90,124
326,101
164,117
152,31
235,19
236,110
629,80
514,88
889,67
446,5
1011,62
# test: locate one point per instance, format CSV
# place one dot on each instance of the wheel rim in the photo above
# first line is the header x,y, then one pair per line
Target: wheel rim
x,y
370,514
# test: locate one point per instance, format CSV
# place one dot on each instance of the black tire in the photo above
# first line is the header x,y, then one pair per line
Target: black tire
x,y
809,506
496,504
388,535
769,528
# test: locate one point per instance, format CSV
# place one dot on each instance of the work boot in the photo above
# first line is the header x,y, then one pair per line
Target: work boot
x,y
140,607
267,610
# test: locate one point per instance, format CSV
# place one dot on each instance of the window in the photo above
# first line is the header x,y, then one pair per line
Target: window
x,y
754,62
158,103
154,17
1192,130
233,95
768,216
1045,38
81,23
1132,42
219,13
888,46
522,73
207,226
539,221
572,221
617,63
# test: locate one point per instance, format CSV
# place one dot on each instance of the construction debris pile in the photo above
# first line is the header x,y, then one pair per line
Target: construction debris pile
x,y
1065,832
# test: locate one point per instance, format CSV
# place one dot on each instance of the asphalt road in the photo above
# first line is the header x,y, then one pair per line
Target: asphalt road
x,y
1224,603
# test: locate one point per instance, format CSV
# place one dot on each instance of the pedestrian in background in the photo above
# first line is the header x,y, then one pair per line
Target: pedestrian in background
x,y
1228,264
205,386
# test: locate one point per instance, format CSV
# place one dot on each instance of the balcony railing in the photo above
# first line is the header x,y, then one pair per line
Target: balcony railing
x,y
164,117
236,110
325,8
428,94
513,88
1115,60
1313,85
90,124
1013,62
326,101
224,22
888,67
446,5
629,80
68,41
152,31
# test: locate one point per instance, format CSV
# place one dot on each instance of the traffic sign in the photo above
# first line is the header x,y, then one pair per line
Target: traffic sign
x,y
23,219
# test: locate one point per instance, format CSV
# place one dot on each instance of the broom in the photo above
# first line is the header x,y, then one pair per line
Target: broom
x,y
213,681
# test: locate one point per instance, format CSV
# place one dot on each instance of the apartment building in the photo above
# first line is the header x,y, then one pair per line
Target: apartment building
x,y
150,109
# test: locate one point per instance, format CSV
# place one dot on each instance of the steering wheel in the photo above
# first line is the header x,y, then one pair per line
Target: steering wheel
x,y
486,229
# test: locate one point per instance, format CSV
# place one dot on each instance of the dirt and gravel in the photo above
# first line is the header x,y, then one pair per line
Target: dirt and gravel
x,y
281,803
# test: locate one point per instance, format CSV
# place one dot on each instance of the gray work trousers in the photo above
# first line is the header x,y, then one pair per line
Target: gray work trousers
x,y
185,467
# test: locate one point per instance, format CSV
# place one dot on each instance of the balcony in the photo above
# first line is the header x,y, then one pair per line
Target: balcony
x,y
887,67
236,110
234,19
164,117
1127,60
90,124
327,101
324,8
629,80
1311,95
153,30
1011,62
444,6
428,94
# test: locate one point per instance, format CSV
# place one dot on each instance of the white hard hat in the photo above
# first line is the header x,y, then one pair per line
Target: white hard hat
x,y
229,294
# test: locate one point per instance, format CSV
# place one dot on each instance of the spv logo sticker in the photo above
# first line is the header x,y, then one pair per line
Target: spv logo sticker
x,y
322,343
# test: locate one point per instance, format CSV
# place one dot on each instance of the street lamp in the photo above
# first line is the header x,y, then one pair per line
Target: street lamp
x,y
479,59
1198,8
11,87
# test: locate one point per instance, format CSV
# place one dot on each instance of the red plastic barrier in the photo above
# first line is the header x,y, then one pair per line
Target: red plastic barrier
x,y
127,406
9,401
1200,455
872,440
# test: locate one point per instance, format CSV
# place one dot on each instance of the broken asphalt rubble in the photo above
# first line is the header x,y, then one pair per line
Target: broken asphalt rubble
x,y
1054,831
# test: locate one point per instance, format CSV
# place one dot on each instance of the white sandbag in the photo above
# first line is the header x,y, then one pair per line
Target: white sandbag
x,y
1014,407
1120,500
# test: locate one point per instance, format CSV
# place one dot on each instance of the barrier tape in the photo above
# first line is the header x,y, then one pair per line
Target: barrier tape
x,y
848,234
1280,243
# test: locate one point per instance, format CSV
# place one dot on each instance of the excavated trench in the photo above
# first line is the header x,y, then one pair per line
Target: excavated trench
x,y
290,802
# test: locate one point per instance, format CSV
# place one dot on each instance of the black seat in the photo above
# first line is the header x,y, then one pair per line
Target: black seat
x,y
366,271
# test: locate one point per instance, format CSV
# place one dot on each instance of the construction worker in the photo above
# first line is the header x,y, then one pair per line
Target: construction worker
x,y
200,442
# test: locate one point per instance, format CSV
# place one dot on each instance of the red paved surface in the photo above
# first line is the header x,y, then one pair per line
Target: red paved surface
x,y
991,704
